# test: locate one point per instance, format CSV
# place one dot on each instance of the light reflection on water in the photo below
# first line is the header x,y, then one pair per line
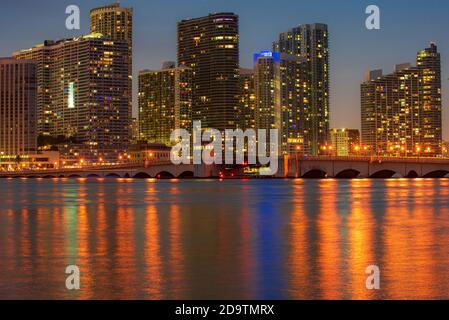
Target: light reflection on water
x,y
269,239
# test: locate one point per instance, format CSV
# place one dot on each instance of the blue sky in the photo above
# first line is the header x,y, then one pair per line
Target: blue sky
x,y
406,27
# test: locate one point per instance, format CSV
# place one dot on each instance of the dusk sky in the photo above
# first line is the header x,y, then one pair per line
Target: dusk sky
x,y
406,27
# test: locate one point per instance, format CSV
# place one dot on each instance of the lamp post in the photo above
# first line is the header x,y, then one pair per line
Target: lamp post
x,y
298,150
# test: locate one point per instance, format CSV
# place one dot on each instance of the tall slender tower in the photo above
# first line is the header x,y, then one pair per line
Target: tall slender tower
x,y
281,91
210,47
247,99
428,62
116,23
311,41
18,106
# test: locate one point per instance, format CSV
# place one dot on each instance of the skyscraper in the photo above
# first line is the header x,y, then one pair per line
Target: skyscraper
x,y
116,23
429,67
210,47
401,112
165,102
391,111
41,55
311,41
18,107
88,82
282,97
267,76
113,21
247,99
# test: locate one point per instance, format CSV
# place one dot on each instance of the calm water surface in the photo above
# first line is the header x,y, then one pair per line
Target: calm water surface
x,y
268,239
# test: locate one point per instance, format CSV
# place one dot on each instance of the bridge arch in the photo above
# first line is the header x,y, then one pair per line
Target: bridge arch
x,y
412,175
383,174
165,175
187,175
315,174
142,175
348,174
437,174
74,176
93,175
112,175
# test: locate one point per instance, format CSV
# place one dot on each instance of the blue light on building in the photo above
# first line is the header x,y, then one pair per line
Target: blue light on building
x,y
268,54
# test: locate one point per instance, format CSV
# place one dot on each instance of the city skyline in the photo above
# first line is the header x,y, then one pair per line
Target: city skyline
x,y
233,150
346,24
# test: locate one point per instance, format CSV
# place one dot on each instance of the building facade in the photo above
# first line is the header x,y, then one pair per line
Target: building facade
x,y
247,99
18,107
210,47
42,56
165,103
88,82
345,142
428,62
282,98
401,112
116,22
311,42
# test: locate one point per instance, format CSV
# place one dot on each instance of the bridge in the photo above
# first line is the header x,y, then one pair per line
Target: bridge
x,y
365,167
167,171
290,167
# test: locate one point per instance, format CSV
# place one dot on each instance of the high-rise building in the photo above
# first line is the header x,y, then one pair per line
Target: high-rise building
x,y
88,82
282,98
165,102
401,112
429,67
135,133
390,112
247,99
210,47
115,22
311,41
41,55
345,142
267,75
18,107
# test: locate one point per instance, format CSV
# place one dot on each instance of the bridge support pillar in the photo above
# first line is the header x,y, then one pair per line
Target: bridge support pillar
x,y
206,171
